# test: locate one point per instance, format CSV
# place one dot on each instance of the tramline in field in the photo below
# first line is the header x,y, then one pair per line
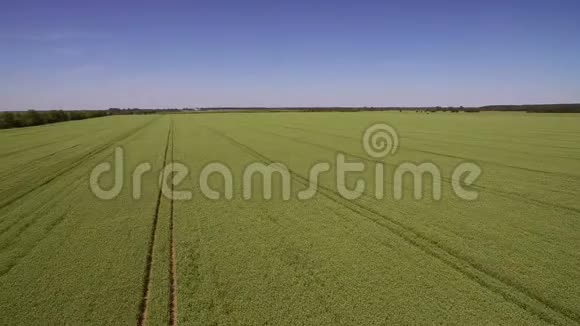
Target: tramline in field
x,y
507,256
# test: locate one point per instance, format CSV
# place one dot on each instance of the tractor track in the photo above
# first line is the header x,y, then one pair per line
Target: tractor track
x,y
149,258
561,174
497,192
172,251
511,291
76,163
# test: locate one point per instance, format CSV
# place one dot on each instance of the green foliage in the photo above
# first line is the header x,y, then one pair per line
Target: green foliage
x,y
34,118
9,120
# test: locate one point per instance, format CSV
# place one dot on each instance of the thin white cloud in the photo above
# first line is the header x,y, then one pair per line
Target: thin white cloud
x,y
51,36
67,51
87,68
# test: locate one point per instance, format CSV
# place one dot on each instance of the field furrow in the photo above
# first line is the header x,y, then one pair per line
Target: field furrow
x,y
232,255
490,280
153,244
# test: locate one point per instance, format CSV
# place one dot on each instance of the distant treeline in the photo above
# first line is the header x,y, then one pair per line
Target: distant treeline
x,y
535,108
15,119
35,118
332,109
532,108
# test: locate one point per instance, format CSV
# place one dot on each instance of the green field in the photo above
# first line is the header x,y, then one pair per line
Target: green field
x,y
510,257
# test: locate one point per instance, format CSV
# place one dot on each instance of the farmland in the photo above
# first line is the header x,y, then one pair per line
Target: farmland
x,y
509,257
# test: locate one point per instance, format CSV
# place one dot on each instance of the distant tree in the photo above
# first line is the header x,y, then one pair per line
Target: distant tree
x,y
75,115
56,116
9,120
33,118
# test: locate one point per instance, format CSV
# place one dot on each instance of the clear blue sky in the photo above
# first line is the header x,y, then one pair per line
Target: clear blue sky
x,y
100,54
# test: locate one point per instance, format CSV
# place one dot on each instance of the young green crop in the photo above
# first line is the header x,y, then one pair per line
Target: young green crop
x,y
509,257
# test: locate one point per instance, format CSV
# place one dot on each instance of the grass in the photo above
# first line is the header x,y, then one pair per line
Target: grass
x,y
510,257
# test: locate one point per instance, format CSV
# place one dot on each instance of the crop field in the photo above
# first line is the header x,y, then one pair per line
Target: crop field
x,y
511,256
